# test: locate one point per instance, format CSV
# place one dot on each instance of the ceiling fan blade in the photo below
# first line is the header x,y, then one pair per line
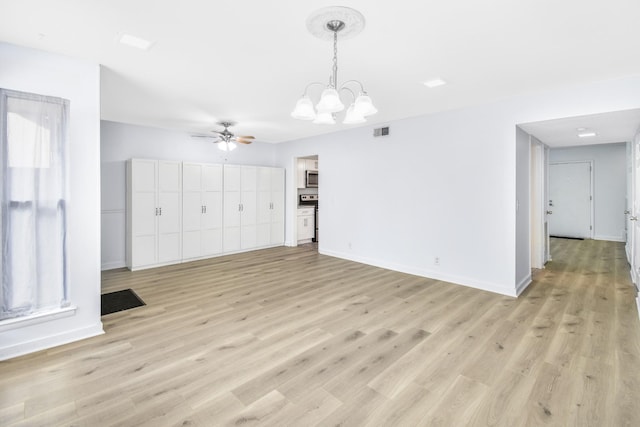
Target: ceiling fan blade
x,y
246,137
203,136
241,139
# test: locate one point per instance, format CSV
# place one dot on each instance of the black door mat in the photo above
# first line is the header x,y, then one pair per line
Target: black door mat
x,y
565,237
119,301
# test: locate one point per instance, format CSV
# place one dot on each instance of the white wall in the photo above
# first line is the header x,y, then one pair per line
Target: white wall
x,y
120,142
442,185
78,81
610,185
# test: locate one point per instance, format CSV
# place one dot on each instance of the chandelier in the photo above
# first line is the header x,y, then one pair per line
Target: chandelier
x,y
326,23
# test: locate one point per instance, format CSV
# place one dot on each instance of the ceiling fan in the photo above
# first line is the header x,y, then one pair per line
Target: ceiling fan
x,y
226,139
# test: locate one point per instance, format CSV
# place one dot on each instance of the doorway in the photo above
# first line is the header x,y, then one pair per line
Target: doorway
x,y
306,225
571,200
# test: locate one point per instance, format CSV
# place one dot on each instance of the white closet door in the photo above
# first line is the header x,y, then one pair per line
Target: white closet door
x,y
277,206
212,195
170,211
143,212
248,200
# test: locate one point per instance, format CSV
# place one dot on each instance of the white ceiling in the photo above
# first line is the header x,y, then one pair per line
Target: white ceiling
x,y
615,126
250,60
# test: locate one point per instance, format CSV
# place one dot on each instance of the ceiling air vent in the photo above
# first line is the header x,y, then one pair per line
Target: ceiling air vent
x,y
381,131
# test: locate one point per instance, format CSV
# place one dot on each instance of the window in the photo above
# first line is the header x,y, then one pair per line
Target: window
x,y
33,267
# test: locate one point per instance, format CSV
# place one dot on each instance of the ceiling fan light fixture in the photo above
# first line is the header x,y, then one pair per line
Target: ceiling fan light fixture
x,y
227,146
352,117
304,109
329,101
324,119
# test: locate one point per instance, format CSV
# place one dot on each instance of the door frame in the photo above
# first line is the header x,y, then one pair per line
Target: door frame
x,y
538,231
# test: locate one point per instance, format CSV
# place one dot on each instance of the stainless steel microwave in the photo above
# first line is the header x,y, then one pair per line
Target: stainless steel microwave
x,y
312,179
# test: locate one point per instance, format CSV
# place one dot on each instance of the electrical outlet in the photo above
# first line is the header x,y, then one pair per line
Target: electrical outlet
x,y
436,261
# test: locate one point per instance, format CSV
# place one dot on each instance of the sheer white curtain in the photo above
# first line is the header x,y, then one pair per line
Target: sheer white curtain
x,y
34,265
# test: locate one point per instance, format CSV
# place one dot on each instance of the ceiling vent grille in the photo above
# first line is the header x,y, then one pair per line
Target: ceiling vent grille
x,y
381,131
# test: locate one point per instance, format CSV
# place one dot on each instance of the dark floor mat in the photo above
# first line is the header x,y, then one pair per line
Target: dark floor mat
x,y
119,301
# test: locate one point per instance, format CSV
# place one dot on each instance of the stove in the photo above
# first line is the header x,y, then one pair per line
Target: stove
x,y
312,200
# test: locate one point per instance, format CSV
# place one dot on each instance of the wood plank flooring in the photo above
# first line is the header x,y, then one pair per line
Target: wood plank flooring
x,y
286,336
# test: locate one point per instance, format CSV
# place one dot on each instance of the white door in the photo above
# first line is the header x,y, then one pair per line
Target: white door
x,y
212,202
248,202
263,220
231,208
143,212
570,199
192,210
277,206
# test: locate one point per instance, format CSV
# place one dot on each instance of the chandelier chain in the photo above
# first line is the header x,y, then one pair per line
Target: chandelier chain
x,y
335,59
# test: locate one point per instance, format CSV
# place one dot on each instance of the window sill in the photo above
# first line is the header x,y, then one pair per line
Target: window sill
x,y
19,322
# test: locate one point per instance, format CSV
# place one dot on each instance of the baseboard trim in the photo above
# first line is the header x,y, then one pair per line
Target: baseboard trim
x,y
50,341
610,238
113,265
524,283
430,274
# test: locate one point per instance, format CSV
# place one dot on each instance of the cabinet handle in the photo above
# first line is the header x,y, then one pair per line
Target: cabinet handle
x,y
201,209
239,207
160,210
156,211
205,209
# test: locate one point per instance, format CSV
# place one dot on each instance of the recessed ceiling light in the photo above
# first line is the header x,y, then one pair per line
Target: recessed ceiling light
x,y
586,134
435,83
136,42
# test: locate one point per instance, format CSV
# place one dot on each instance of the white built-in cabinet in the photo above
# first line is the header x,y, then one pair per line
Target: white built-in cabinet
x,y
154,211
240,214
270,220
201,210
302,167
306,224
184,211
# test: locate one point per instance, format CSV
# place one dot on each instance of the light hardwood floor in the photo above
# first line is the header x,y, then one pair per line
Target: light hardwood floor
x,y
286,336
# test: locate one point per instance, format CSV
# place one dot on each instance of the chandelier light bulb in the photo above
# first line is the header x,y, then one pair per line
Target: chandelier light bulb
x,y
330,101
364,106
304,109
352,117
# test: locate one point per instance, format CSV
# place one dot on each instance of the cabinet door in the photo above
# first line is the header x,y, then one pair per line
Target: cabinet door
x,y
231,231
248,200
143,212
212,223
192,207
212,195
248,221
305,227
192,177
312,165
170,211
191,210
277,206
301,176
